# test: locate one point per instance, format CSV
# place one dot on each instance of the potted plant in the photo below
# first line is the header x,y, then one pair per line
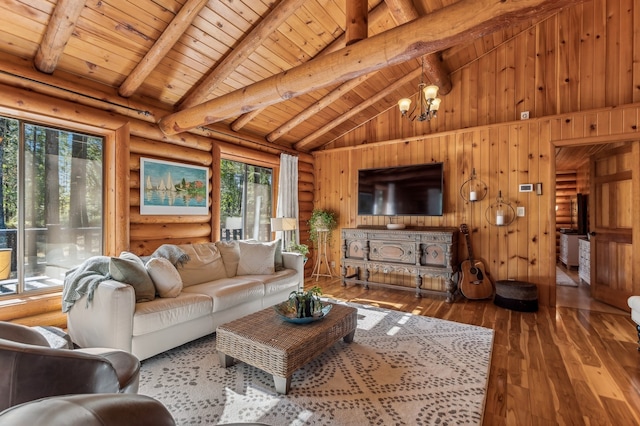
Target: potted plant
x,y
306,303
303,249
321,220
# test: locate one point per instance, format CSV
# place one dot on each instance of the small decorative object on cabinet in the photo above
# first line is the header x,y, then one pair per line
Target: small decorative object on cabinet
x,y
473,189
500,213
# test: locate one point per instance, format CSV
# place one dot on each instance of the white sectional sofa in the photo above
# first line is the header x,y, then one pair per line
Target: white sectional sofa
x,y
221,282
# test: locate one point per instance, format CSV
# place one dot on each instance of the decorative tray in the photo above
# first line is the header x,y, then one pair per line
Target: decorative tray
x,y
288,313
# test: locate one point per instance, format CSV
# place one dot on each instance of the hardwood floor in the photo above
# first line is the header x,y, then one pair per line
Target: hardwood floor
x,y
564,366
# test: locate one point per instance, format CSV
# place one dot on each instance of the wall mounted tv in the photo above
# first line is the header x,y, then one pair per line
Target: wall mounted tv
x,y
401,191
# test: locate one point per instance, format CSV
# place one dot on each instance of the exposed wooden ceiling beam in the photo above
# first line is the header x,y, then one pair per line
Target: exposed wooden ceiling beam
x,y
404,11
375,15
457,23
59,31
307,142
317,106
241,52
179,24
357,12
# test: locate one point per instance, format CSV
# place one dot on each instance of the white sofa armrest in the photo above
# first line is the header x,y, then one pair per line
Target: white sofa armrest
x,y
295,261
107,321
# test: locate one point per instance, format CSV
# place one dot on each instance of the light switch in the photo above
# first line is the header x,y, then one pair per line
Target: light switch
x,y
520,211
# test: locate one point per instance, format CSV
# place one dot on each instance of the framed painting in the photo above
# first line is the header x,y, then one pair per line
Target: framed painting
x,y
173,188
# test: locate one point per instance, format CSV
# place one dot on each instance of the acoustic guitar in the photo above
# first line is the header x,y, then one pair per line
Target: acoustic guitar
x,y
474,282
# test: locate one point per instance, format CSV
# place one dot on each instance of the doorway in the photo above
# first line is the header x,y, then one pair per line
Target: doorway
x,y
573,170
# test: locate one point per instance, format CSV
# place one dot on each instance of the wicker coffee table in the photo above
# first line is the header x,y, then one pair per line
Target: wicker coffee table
x,y
266,341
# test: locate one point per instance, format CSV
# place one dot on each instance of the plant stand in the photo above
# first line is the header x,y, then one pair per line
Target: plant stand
x,y
322,256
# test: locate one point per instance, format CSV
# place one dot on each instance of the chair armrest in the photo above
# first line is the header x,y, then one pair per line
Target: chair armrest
x,y
107,321
22,334
38,372
292,260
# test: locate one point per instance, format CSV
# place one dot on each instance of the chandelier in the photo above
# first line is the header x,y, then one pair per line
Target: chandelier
x,y
428,102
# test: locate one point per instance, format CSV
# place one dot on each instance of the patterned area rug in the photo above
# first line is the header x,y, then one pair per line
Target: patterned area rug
x,y
401,369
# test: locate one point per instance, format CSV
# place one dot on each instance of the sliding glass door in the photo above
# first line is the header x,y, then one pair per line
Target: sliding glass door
x,y
52,208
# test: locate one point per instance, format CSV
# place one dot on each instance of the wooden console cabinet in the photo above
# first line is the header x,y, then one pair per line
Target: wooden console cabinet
x,y
418,252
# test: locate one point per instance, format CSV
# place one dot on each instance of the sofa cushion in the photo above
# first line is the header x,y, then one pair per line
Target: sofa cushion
x,y
205,264
164,313
286,279
129,268
229,292
165,277
256,258
230,252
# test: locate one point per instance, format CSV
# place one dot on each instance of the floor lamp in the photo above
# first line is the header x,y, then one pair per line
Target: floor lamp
x,y
284,224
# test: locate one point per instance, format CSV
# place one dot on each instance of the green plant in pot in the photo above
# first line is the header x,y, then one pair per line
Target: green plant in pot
x,y
303,249
306,303
321,220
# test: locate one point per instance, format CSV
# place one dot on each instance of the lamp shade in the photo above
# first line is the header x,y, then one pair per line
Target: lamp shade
x,y
404,105
431,92
283,224
435,104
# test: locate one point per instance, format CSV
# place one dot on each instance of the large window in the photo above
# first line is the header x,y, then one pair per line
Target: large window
x,y
52,206
246,200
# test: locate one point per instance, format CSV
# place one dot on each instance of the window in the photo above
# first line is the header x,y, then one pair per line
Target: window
x,y
52,204
246,200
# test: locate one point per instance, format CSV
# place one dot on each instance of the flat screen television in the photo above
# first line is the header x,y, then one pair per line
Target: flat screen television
x,y
415,190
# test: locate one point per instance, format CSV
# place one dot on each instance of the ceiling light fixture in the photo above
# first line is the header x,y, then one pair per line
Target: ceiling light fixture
x,y
427,100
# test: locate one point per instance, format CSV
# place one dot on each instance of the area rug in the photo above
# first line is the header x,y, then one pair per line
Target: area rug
x,y
401,369
563,279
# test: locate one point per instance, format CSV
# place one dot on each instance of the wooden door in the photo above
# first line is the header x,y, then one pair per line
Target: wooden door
x,y
615,196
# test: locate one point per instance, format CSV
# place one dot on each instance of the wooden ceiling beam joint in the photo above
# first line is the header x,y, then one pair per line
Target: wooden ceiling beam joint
x,y
357,17
59,31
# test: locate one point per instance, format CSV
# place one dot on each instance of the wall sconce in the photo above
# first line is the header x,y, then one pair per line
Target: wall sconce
x,y
500,213
473,189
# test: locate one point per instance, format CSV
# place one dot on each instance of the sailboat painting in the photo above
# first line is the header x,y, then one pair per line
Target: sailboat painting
x,y
173,188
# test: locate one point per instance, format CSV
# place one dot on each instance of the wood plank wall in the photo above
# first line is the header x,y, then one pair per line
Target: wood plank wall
x,y
576,74
580,59
504,155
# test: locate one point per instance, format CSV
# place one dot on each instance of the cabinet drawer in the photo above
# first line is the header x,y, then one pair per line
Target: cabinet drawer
x,y
392,251
434,255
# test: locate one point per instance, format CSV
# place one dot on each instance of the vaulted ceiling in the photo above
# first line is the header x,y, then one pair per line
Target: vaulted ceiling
x,y
289,72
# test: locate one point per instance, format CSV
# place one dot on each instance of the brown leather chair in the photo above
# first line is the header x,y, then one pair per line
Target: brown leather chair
x,y
89,410
30,369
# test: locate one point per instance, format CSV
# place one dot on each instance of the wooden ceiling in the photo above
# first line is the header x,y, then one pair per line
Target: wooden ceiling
x,y
277,70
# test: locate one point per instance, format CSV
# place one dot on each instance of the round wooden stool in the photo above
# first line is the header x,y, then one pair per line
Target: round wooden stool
x,y
516,295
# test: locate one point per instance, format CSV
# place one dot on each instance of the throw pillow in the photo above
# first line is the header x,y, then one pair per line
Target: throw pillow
x,y
256,258
230,252
278,261
129,268
205,264
165,277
